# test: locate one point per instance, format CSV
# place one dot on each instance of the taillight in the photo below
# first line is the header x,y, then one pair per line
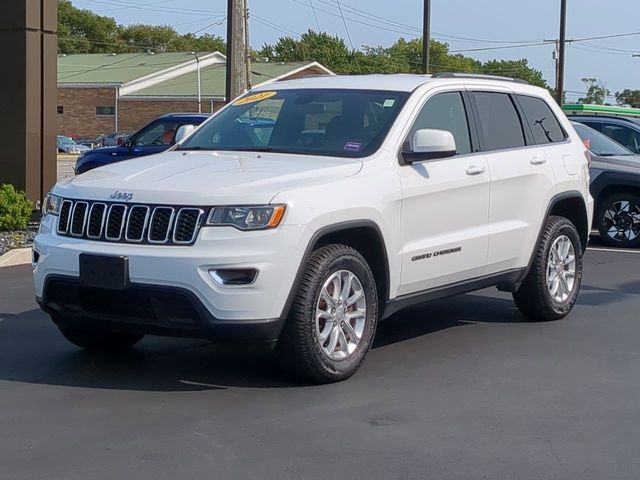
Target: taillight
x,y
589,157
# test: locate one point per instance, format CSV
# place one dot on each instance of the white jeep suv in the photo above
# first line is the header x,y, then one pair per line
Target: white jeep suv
x,y
306,211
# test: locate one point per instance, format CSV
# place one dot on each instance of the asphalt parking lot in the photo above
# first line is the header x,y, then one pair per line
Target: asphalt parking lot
x,y
462,388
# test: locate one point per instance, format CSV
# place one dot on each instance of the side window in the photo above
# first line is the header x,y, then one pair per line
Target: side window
x,y
543,123
499,121
160,133
595,125
445,111
625,136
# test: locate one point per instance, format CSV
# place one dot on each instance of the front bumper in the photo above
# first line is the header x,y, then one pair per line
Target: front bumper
x,y
171,283
146,309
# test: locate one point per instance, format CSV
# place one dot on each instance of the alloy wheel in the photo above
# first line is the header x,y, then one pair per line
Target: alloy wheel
x,y
340,315
622,221
561,269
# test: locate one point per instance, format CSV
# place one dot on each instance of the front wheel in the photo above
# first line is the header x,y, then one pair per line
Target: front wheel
x,y
551,287
334,315
618,220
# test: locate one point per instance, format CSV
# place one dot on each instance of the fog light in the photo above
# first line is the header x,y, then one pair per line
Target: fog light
x,y
226,277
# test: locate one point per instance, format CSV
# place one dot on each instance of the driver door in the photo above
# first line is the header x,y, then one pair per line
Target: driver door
x,y
445,206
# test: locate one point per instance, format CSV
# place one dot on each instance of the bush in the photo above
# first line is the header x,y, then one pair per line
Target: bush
x,y
15,209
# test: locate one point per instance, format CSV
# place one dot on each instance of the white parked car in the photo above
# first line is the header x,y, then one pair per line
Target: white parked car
x,y
68,145
308,210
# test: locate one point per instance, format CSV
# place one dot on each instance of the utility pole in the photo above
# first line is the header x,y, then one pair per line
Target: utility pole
x,y
426,35
555,56
247,46
236,62
561,52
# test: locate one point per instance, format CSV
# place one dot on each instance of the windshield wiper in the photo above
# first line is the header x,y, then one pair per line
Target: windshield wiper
x,y
194,148
257,149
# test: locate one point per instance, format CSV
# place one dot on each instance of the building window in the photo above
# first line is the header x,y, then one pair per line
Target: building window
x,y
60,110
106,111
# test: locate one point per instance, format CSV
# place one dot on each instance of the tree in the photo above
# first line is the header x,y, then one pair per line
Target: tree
x,y
82,31
516,69
404,56
330,50
154,38
596,91
628,97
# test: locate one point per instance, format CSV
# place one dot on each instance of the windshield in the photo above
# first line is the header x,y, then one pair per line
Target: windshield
x,y
343,123
599,143
65,141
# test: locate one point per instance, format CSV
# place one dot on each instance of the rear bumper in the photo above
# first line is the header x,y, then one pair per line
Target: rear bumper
x,y
147,309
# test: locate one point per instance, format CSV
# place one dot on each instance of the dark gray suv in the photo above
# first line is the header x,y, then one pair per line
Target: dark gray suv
x,y
615,188
624,130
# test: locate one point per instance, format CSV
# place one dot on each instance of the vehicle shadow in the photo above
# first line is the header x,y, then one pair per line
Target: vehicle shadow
x,y
33,351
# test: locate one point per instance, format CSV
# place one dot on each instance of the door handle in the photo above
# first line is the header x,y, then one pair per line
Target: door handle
x,y
474,170
538,160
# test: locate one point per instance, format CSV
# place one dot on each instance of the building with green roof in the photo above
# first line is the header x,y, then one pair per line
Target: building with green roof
x,y
103,93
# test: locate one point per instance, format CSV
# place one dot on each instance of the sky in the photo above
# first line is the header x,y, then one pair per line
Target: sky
x,y
482,23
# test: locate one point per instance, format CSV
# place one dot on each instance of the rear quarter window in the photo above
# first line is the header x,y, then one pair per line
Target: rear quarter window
x,y
544,125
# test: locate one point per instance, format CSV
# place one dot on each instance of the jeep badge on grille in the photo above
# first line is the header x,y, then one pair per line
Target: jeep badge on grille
x,y
122,196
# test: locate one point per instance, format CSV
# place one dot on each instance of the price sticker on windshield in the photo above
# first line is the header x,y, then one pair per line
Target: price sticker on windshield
x,y
256,97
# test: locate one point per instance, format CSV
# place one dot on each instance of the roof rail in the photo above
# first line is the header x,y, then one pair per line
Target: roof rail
x,y
478,76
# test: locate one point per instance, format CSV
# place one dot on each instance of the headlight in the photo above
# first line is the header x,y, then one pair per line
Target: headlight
x,y
247,218
51,205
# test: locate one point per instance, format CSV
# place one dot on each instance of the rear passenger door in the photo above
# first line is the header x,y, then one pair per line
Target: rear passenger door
x,y
522,180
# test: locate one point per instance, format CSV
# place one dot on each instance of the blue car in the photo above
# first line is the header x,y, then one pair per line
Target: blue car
x,y
156,137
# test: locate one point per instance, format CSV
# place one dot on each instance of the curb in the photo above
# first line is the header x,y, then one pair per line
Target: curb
x,y
18,256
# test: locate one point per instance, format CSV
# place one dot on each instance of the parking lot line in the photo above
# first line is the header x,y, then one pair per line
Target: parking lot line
x,y
618,250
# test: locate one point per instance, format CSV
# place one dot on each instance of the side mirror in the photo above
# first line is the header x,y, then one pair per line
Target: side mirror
x,y
183,132
430,144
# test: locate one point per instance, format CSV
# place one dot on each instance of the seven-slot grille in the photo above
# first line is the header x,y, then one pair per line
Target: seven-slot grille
x,y
130,223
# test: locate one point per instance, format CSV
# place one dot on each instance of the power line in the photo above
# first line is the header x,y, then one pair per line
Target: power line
x,y
344,22
313,10
187,11
274,26
537,44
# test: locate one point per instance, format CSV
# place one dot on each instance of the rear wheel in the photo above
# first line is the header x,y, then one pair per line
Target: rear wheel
x,y
334,316
618,220
99,340
551,287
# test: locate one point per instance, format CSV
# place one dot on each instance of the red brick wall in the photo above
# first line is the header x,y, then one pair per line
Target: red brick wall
x,y
79,118
134,114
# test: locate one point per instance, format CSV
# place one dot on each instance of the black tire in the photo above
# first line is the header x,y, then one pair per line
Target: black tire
x,y
604,224
299,346
100,340
533,298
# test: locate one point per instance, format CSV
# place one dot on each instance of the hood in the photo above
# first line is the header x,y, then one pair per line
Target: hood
x,y
205,178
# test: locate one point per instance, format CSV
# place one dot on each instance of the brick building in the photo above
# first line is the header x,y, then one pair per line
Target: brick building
x,y
103,93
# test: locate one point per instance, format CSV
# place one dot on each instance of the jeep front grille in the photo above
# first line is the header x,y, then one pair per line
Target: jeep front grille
x,y
154,224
